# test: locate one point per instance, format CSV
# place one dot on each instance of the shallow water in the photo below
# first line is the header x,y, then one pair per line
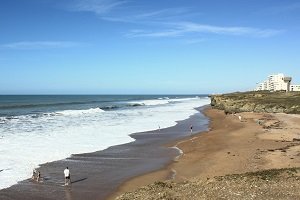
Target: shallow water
x,y
40,129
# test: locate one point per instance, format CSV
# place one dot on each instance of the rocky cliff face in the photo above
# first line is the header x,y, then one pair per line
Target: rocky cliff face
x,y
271,102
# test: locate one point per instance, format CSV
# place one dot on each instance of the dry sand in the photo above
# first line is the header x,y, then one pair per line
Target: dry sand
x,y
260,141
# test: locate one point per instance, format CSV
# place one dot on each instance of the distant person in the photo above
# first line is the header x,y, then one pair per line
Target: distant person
x,y
240,118
67,176
158,128
191,129
34,174
38,176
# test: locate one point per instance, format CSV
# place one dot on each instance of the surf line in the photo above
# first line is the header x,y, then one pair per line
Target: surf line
x,y
1,170
173,171
181,153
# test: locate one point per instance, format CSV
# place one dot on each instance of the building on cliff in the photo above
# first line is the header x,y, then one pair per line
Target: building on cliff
x,y
277,82
295,88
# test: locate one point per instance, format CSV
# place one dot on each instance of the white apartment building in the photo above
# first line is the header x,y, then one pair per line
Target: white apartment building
x,y
266,85
295,88
277,82
263,86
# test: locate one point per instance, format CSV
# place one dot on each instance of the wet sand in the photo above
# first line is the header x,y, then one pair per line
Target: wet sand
x,y
97,175
260,141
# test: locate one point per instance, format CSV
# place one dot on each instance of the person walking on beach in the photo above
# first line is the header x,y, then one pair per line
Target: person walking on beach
x,y
240,118
34,173
67,176
38,177
191,129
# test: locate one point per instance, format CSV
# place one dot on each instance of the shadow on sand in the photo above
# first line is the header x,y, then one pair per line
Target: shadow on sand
x,y
78,180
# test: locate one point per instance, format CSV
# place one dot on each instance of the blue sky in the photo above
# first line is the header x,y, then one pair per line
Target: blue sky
x,y
146,47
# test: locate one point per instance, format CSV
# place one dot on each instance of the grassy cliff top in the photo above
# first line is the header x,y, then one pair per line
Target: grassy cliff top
x,y
264,96
258,101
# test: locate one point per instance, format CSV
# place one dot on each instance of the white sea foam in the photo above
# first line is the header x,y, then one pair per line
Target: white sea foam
x,y
80,112
27,141
160,101
154,102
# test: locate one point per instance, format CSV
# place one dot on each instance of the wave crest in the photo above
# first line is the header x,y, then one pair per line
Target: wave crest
x,y
80,112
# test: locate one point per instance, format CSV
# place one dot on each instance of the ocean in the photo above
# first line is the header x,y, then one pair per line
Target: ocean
x,y
35,129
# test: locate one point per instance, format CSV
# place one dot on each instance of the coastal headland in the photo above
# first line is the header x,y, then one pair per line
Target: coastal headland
x,y
256,157
258,101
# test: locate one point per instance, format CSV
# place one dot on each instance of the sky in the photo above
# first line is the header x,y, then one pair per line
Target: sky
x,y
146,47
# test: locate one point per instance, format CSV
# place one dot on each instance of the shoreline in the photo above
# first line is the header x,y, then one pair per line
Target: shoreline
x,y
230,147
164,173
96,175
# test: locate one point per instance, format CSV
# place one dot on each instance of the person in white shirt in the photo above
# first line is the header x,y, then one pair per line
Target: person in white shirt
x,y
240,118
34,174
67,176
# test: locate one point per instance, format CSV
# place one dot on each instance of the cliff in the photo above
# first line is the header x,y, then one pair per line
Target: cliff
x,y
261,101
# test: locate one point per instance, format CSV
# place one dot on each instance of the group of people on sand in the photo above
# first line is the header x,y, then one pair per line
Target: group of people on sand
x,y
36,175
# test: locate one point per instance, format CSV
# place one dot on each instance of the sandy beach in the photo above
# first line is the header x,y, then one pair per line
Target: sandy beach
x,y
260,141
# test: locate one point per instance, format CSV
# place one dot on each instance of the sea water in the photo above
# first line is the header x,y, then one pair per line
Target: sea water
x,y
39,129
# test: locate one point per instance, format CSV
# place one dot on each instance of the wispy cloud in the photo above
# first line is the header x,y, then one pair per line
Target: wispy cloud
x,y
184,28
149,17
32,45
165,22
163,14
227,30
96,6
163,33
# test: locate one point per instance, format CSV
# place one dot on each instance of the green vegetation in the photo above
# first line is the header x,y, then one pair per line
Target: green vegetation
x,y
258,101
270,174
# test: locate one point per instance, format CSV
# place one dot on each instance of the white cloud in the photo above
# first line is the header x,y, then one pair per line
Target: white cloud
x,y
31,45
96,6
164,22
164,33
164,13
227,30
149,17
183,28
